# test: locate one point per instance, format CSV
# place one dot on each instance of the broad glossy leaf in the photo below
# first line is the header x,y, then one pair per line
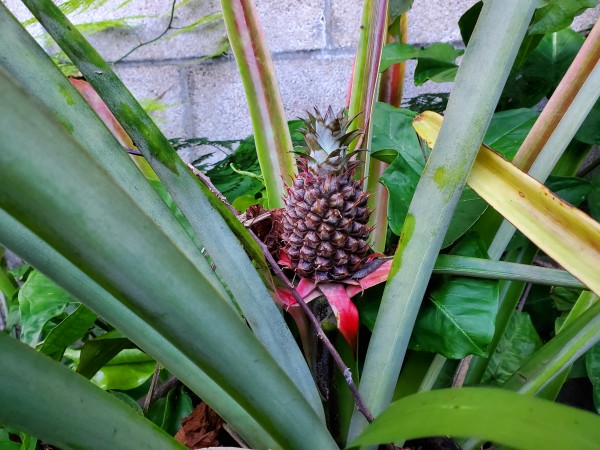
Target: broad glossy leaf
x,y
67,332
520,340
397,7
95,353
392,131
537,77
40,299
467,21
558,14
592,363
127,370
470,207
459,318
508,418
225,179
589,131
386,156
435,62
169,411
571,189
508,130
401,181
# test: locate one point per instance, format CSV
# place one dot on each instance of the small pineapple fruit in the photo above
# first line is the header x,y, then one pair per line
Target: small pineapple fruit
x,y
325,227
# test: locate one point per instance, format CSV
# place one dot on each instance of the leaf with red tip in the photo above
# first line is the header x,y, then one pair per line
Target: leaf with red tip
x,y
380,275
87,91
305,287
284,298
346,314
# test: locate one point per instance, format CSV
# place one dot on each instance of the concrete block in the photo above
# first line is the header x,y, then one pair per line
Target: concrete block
x,y
162,84
345,22
290,26
219,102
18,9
436,20
312,83
587,19
114,43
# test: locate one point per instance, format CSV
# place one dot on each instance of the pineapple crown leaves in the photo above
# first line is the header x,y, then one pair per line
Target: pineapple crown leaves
x,y
327,138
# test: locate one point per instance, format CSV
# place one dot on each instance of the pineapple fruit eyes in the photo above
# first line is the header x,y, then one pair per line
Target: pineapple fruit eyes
x,y
325,229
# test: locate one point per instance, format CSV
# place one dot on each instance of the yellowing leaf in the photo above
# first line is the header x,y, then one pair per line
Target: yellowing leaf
x,y
563,232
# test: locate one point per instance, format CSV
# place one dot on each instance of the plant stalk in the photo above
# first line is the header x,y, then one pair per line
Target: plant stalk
x,y
346,372
271,133
479,82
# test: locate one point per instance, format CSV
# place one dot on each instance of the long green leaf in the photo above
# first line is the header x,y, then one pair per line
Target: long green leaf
x,y
507,418
558,354
560,119
273,141
200,206
56,398
564,232
484,69
458,319
518,343
502,270
366,71
68,199
76,116
38,253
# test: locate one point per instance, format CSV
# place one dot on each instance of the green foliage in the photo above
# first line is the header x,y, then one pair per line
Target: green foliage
x,y
458,320
40,300
127,370
397,7
555,15
97,352
68,332
519,342
589,132
167,412
539,75
493,414
435,62
592,364
125,254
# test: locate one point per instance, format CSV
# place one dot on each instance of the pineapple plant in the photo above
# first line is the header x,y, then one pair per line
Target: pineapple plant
x,y
325,220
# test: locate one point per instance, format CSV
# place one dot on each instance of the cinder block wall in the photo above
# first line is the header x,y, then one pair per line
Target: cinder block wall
x,y
312,43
